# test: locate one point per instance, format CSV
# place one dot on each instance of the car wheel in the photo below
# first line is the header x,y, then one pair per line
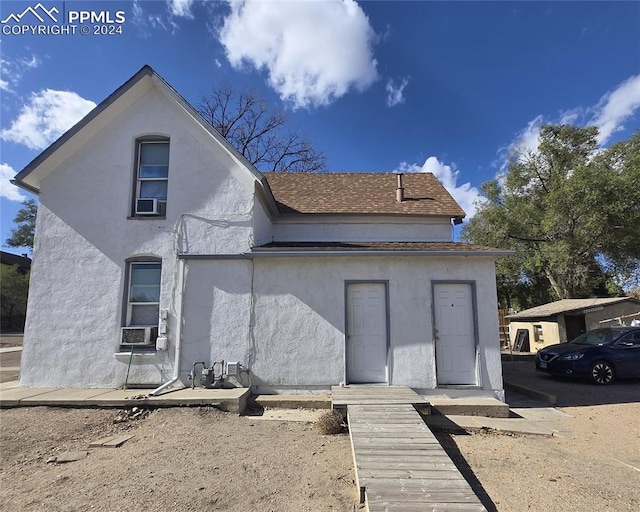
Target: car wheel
x,y
602,373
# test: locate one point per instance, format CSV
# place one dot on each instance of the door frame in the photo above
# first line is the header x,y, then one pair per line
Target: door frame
x,y
385,282
476,335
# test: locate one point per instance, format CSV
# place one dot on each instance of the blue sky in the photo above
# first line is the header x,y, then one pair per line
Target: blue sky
x,y
445,87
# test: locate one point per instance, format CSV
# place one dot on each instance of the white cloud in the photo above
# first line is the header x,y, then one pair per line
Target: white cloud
x,y
608,115
7,190
313,52
11,71
31,63
525,143
615,107
156,21
464,194
395,94
46,116
181,8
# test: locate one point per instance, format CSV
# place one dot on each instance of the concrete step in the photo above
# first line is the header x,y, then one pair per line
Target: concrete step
x,y
315,401
469,406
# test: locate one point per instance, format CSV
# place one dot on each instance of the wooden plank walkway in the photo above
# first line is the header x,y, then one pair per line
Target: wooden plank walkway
x,y
400,465
374,395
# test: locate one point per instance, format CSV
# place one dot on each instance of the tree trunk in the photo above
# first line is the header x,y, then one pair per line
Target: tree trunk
x,y
560,293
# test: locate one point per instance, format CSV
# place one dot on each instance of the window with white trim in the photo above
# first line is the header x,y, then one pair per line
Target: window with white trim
x,y
143,294
152,177
141,308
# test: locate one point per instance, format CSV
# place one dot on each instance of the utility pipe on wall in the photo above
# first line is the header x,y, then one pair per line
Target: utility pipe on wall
x,y
176,364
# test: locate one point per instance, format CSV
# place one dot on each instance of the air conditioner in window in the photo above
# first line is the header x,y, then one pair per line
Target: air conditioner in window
x,y
139,336
147,207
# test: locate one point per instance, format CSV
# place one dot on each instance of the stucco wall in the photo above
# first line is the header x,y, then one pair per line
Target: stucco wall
x,y
83,237
342,229
217,313
284,318
550,333
300,318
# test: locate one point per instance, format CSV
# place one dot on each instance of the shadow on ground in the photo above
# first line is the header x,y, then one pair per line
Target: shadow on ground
x,y
568,392
449,445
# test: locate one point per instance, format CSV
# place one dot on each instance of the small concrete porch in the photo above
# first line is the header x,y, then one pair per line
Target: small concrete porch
x,y
362,394
230,400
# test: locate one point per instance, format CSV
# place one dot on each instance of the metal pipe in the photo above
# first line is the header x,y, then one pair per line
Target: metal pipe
x,y
400,189
193,372
176,364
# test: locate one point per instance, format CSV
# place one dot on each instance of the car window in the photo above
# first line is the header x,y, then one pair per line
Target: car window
x,y
594,338
632,337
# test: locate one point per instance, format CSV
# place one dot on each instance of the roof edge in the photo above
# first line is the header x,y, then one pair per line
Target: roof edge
x,y
146,70
524,315
373,252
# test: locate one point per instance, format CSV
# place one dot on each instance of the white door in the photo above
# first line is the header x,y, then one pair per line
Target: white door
x,y
366,333
454,333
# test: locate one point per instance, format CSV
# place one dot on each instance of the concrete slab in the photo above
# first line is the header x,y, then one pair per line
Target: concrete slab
x,y
474,423
470,406
530,392
10,349
314,401
301,415
540,414
9,384
124,398
13,396
114,441
69,397
232,400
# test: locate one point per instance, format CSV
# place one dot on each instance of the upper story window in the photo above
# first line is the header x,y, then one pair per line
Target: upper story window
x,y
152,176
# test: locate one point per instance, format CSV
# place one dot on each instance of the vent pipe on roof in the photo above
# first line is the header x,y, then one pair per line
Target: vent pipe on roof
x,y
400,189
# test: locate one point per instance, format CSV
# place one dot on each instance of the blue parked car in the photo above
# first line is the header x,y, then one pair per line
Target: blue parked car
x,y
601,355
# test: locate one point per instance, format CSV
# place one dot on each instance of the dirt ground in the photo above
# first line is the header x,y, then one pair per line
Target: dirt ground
x,y
200,458
593,466
178,459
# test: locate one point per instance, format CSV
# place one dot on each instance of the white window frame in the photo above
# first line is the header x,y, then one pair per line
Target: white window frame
x,y
129,304
139,180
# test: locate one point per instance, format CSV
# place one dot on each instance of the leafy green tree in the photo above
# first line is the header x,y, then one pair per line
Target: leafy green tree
x,y
14,287
22,235
570,211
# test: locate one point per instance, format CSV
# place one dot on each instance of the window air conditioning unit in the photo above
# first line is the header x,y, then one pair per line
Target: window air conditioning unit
x,y
139,336
147,207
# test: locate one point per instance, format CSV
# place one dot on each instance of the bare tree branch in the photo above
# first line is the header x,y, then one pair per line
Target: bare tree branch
x,y
257,133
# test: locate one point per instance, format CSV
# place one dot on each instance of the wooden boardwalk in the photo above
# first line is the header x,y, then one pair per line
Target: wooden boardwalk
x,y
400,465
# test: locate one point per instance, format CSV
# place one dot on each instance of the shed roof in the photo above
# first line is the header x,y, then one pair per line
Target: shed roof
x,y
567,306
7,258
360,193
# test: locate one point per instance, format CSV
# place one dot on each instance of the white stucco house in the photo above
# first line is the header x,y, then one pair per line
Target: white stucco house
x,y
158,245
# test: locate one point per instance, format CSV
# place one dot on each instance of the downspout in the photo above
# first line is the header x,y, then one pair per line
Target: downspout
x,y
176,365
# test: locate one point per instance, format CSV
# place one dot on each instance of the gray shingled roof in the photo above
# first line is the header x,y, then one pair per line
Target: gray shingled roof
x,y
566,306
